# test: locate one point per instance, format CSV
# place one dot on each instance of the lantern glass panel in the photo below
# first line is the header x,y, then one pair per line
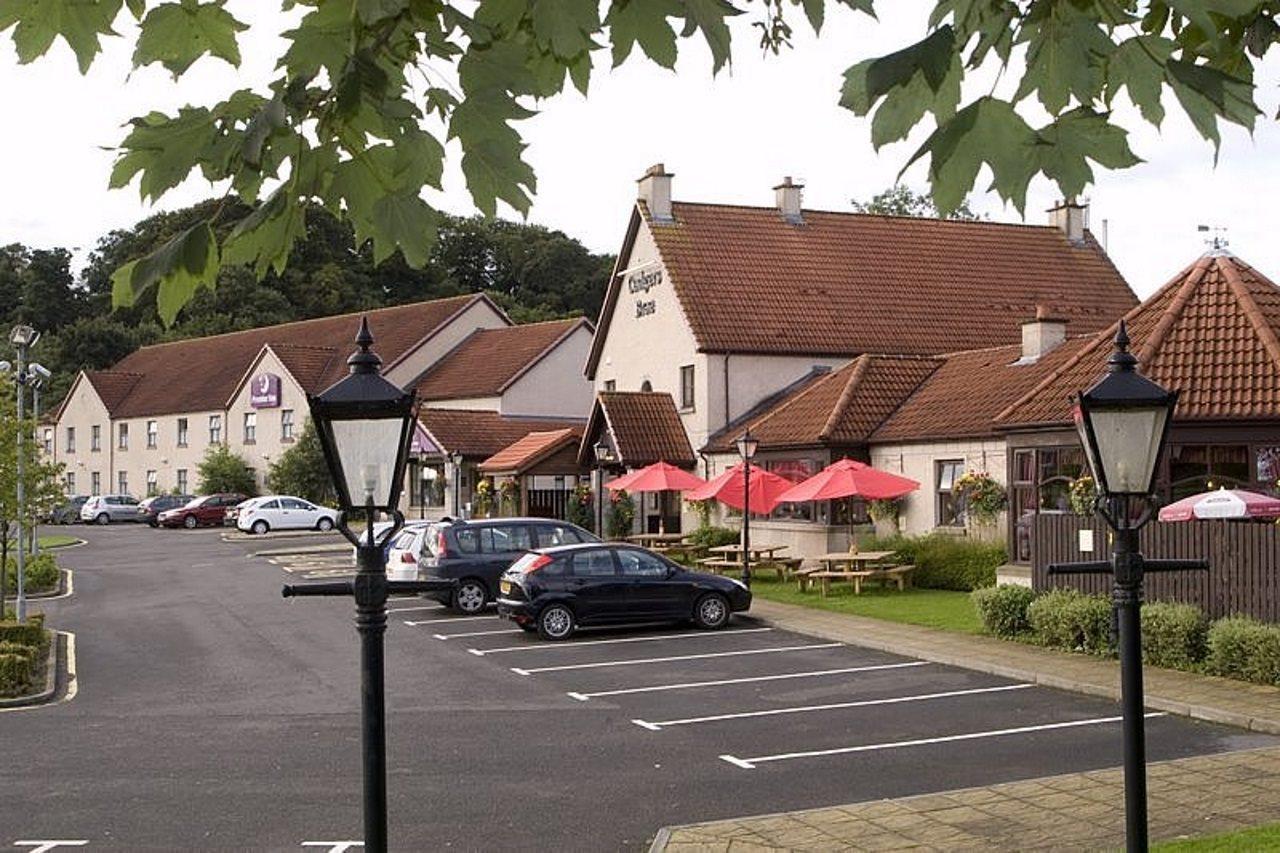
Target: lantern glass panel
x,y
368,450
1129,442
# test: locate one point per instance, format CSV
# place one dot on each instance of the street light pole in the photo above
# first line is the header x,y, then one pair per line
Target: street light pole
x,y
1124,422
602,456
747,445
38,374
458,459
22,338
364,425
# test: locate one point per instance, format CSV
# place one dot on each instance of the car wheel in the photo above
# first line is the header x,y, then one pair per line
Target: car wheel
x,y
102,518
469,597
711,611
260,527
555,622
190,522
324,524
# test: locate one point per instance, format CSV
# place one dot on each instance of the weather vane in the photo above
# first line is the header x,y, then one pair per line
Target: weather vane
x,y
1218,241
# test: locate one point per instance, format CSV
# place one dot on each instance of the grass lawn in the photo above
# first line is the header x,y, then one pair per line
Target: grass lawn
x,y
1257,838
934,608
57,540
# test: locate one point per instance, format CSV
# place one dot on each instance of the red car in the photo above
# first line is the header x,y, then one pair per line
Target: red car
x,y
206,511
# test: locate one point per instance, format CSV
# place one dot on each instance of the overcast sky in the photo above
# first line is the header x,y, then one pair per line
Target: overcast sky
x,y
727,139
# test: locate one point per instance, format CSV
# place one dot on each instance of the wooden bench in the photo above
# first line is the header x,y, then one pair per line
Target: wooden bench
x,y
825,577
900,575
715,564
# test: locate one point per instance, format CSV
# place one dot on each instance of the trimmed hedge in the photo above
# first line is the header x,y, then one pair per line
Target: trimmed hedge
x,y
41,573
1067,619
713,537
945,562
29,633
15,673
1003,609
1173,635
1246,649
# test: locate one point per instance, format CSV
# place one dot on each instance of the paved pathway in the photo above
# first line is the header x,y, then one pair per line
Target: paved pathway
x,y
1187,797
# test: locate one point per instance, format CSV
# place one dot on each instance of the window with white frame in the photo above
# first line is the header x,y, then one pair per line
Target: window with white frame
x,y
286,424
123,443
950,511
686,387
48,441
153,434
182,432
71,483
250,427
71,440
152,489
95,438
215,429
182,481
122,482
95,480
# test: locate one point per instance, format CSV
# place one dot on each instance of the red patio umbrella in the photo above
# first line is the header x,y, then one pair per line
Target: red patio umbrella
x,y
1223,503
658,477
849,478
766,489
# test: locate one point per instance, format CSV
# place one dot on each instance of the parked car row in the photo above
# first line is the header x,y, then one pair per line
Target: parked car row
x,y
553,577
252,515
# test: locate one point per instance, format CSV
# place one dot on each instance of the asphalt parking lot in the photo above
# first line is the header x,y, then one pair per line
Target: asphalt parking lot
x,y
212,714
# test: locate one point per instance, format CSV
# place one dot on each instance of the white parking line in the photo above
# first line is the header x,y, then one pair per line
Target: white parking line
x,y
45,845
649,639
413,623
750,763
597,665
417,607
583,697
832,706
506,631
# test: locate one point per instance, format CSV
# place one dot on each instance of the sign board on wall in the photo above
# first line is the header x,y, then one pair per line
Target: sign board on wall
x,y
264,391
640,282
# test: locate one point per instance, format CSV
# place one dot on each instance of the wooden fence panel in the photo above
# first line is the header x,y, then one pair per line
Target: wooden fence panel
x,y
1244,560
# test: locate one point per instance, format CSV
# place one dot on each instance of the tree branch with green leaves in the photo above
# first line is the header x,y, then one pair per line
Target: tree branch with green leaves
x,y
369,91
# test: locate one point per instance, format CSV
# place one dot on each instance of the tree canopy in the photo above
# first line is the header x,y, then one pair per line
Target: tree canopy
x,y
368,92
900,200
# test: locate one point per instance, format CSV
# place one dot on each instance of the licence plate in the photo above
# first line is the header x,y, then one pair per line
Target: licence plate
x,y
504,587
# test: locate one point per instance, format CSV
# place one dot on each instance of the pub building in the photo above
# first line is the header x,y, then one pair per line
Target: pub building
x,y
817,329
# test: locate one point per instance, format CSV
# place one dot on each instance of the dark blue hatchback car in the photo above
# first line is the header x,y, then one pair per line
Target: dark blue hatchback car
x,y
555,590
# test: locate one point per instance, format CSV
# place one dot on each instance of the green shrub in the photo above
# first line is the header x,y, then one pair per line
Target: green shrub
x,y
1003,609
945,562
1173,635
713,537
41,574
29,633
1067,619
29,652
1244,648
15,673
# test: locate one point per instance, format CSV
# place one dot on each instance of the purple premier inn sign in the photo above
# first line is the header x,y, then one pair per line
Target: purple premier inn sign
x,y
264,393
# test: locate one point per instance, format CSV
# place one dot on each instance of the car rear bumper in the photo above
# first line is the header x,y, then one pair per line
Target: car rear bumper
x,y
517,611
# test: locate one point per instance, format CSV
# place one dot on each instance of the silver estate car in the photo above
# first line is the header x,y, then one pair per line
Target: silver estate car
x,y
104,509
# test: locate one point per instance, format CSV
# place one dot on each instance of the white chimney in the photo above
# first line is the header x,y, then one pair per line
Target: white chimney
x,y
655,191
787,197
1071,218
1041,335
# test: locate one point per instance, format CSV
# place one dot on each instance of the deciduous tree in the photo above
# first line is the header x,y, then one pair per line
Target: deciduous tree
x,y
369,91
301,470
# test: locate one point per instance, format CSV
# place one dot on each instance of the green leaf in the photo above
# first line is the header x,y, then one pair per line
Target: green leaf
x,y
373,11
1065,55
1064,147
80,24
185,263
403,220
137,8
264,238
1138,65
177,34
922,78
1208,94
322,39
1201,12
643,22
709,16
164,150
987,131
564,27
905,106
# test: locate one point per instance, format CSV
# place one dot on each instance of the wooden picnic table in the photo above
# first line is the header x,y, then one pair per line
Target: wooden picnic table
x,y
758,552
855,567
763,558
651,539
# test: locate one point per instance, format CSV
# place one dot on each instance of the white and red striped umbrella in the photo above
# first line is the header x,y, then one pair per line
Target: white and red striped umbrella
x,y
1224,503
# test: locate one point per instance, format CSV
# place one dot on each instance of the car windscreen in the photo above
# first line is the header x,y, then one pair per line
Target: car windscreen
x,y
433,539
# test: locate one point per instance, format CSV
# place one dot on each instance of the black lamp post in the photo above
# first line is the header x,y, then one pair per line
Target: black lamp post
x,y
602,458
457,459
1123,422
365,424
747,445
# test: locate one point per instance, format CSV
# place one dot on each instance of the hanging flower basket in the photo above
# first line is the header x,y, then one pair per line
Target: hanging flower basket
x,y
983,497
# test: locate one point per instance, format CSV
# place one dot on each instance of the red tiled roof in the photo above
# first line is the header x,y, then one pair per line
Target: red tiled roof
x,y
527,451
843,407
200,374
307,364
479,433
112,386
848,283
644,427
489,360
1212,333
963,396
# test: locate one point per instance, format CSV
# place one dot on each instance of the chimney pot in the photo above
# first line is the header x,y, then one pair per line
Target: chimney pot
x,y
654,189
1071,217
787,196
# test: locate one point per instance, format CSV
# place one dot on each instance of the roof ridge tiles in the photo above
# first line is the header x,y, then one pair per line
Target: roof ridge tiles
x,y
1230,267
932,220
1171,315
860,367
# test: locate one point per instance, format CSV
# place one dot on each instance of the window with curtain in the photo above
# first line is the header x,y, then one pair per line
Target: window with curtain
x,y
949,513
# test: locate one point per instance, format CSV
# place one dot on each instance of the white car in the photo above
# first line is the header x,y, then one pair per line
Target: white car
x,y
406,548
284,512
381,527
